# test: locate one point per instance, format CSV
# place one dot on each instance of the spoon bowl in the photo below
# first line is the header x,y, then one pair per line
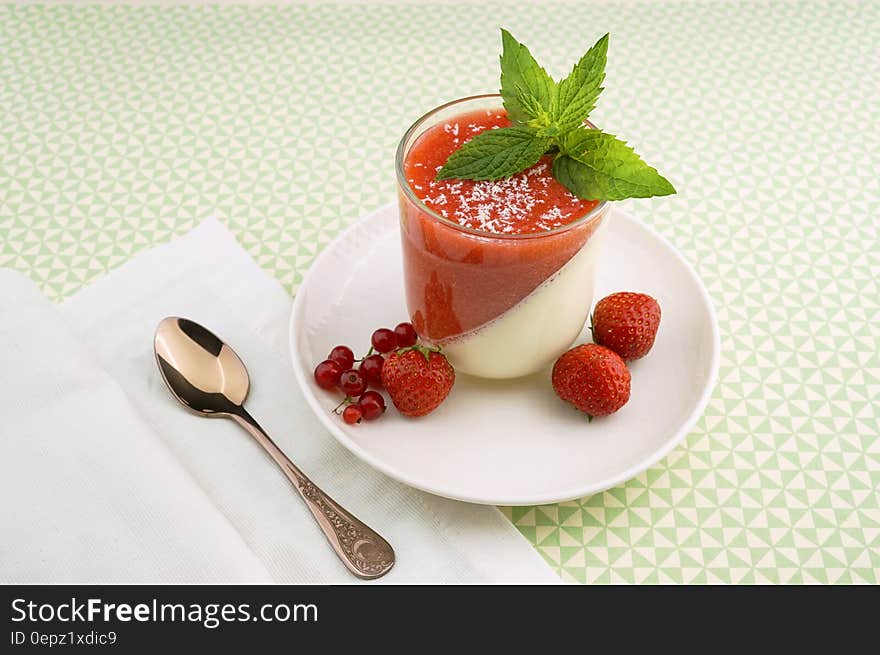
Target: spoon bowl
x,y
209,378
201,371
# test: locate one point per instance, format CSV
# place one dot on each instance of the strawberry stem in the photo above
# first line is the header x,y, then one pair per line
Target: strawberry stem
x,y
424,350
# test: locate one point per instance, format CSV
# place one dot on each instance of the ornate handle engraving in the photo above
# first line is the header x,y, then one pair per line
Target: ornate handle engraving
x,y
365,549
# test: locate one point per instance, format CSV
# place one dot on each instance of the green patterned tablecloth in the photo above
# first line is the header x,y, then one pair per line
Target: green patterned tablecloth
x,y
122,127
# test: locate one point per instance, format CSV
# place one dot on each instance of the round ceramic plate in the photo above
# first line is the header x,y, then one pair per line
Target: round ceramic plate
x,y
511,442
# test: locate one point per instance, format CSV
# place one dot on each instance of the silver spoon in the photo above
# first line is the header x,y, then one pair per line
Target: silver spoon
x,y
207,376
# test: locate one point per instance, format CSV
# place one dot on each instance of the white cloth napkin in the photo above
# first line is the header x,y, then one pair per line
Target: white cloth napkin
x,y
104,477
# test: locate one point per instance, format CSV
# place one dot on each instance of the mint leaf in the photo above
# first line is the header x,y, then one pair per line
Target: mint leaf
x,y
494,154
598,166
526,88
576,95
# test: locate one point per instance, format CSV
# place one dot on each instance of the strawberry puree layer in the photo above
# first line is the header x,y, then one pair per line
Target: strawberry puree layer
x,y
460,280
526,203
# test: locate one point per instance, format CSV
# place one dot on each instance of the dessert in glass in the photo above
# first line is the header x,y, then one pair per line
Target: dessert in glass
x,y
498,273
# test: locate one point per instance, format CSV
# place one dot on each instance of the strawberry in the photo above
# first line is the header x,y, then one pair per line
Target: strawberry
x,y
592,378
627,323
418,379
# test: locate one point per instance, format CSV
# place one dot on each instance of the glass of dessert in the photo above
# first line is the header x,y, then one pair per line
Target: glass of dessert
x,y
498,273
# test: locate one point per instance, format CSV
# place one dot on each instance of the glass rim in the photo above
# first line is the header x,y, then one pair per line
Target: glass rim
x,y
407,190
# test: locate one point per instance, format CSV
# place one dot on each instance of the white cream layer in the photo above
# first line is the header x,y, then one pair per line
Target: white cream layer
x,y
535,331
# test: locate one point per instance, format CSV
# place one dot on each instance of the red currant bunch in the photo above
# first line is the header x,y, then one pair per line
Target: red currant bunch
x,y
338,372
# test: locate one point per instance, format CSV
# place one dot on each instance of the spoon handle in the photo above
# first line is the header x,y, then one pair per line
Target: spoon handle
x,y
363,551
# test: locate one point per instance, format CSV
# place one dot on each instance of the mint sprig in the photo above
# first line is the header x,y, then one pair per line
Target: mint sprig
x,y
548,118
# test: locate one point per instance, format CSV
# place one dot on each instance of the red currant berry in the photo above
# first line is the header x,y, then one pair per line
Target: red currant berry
x,y
327,374
406,335
384,340
352,383
372,405
371,369
352,414
343,356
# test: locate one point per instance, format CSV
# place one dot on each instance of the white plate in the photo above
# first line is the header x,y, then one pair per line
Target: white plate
x,y
511,442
